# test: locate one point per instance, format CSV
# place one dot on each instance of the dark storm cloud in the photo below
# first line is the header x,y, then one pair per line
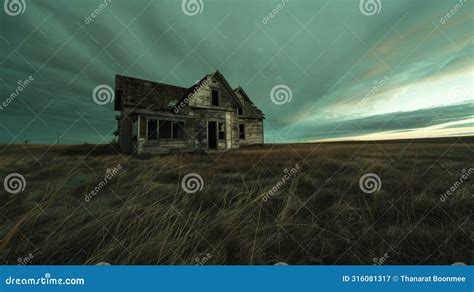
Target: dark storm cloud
x,y
327,52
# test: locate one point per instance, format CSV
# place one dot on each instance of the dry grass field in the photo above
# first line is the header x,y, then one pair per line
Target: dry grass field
x,y
315,214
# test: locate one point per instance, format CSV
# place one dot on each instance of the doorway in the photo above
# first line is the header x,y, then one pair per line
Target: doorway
x,y
212,135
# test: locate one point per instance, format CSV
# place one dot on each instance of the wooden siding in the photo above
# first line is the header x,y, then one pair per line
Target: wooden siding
x,y
235,131
228,130
125,133
253,132
132,136
164,145
196,116
202,98
203,117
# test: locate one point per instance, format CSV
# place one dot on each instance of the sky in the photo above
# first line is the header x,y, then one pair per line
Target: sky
x,y
319,69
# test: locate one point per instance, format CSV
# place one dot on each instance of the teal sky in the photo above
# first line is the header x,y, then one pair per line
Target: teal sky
x,y
404,72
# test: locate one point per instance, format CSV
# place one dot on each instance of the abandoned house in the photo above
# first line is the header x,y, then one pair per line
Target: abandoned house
x,y
160,118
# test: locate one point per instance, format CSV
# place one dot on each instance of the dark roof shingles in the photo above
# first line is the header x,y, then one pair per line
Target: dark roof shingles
x,y
148,94
142,93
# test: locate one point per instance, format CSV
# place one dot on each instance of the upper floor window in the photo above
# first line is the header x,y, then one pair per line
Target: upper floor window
x,y
214,97
240,111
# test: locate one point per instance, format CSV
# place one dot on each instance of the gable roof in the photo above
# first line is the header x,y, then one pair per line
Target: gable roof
x,y
250,109
193,88
152,95
203,80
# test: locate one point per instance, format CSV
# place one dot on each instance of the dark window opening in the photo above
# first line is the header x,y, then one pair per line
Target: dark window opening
x,y
211,135
143,127
240,111
118,100
152,130
165,130
242,131
178,130
221,131
215,97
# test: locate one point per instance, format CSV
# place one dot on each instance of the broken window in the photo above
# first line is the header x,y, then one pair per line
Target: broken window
x,y
215,97
242,131
240,111
165,130
178,130
152,130
221,131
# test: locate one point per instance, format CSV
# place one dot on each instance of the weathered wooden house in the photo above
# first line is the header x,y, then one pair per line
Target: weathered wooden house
x,y
160,118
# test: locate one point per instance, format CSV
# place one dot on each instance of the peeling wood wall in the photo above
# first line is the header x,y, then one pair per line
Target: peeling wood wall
x,y
253,132
196,117
202,98
125,133
165,145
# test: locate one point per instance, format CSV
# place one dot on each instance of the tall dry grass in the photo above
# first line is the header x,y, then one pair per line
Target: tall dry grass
x,y
318,216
